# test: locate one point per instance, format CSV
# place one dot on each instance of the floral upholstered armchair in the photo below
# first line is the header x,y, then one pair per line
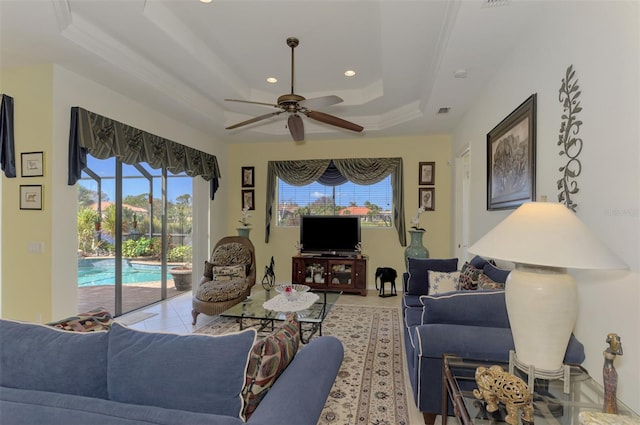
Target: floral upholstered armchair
x,y
228,277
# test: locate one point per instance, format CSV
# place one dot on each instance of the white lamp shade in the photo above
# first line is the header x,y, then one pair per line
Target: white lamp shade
x,y
546,234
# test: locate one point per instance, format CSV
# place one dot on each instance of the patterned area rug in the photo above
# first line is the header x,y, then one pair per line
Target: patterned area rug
x,y
369,388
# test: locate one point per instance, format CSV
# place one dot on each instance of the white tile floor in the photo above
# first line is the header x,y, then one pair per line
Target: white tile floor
x,y
174,315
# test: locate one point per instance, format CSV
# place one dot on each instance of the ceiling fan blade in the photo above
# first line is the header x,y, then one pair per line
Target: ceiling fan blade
x,y
255,103
333,120
320,102
296,127
252,120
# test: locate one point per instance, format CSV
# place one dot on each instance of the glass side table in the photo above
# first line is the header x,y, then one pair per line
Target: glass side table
x,y
550,402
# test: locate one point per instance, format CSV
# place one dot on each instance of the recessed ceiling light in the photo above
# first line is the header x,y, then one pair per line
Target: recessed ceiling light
x,y
272,80
349,73
461,73
206,1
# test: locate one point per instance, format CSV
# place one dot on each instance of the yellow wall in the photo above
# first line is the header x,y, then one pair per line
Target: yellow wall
x,y
27,277
381,245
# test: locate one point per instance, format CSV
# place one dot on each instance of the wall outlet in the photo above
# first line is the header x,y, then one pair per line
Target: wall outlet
x,y
35,247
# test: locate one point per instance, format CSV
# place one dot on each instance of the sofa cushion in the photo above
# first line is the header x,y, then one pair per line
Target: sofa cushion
x,y
231,253
473,342
418,280
472,308
468,277
206,373
39,357
441,282
213,291
495,273
269,357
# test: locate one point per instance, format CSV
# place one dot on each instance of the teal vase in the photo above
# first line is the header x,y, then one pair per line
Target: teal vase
x,y
244,231
415,248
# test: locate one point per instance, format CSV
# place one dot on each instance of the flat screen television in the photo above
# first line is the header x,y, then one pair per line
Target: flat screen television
x,y
329,235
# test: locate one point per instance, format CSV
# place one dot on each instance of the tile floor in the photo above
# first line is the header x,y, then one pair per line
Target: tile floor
x,y
174,315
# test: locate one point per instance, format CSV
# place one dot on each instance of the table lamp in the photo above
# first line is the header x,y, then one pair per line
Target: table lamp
x,y
543,239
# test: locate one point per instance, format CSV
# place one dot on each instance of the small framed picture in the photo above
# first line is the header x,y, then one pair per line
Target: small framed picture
x,y
248,200
427,173
426,198
32,164
30,197
247,176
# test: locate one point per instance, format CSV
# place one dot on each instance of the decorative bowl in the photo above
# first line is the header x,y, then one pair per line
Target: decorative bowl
x,y
291,292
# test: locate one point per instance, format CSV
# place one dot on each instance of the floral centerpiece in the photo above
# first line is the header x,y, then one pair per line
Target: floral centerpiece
x,y
245,217
415,220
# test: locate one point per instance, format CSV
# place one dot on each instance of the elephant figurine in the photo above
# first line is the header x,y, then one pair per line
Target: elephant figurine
x,y
386,274
497,386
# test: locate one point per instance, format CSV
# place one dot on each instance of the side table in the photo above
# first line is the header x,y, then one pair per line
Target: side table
x,y
550,402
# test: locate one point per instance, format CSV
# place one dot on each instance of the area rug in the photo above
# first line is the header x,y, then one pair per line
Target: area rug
x,y
369,388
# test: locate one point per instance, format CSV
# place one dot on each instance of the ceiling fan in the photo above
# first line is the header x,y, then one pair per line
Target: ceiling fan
x,y
295,105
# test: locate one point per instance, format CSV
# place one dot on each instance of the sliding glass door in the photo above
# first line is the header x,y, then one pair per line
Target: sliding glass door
x,y
134,224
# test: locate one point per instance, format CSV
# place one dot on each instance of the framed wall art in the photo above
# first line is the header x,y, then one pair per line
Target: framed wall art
x,y
248,176
248,199
427,172
32,164
30,197
511,158
426,198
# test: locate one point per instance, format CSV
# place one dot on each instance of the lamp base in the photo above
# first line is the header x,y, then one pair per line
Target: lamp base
x,y
533,373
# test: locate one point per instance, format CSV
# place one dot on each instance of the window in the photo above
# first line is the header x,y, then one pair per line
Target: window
x,y
372,202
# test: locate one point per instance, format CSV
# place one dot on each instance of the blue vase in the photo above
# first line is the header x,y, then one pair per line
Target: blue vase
x,y
415,248
244,231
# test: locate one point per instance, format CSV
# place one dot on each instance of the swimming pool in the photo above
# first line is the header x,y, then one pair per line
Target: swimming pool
x,y
94,272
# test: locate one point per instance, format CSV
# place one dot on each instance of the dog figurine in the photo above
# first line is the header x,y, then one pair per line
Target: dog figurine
x,y
386,274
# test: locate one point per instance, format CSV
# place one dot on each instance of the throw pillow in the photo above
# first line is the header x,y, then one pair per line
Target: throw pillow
x,y
468,277
486,283
496,273
441,282
268,359
208,270
478,262
225,273
418,280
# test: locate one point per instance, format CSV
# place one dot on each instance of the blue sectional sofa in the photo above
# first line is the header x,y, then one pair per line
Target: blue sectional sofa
x,y
123,376
469,323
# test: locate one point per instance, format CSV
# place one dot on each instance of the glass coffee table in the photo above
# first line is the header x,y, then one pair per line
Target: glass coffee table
x,y
310,320
551,404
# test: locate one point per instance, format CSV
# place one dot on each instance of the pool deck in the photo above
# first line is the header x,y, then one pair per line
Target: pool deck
x,y
134,296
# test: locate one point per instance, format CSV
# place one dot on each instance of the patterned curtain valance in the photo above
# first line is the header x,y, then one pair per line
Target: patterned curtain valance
x,y
104,138
335,172
7,151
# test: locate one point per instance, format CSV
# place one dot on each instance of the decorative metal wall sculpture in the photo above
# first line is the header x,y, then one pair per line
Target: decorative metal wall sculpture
x,y
568,140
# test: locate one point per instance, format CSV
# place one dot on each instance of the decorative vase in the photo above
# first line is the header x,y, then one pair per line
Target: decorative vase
x,y
181,277
415,248
244,232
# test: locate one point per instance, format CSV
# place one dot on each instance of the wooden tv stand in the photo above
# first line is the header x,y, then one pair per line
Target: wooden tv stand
x,y
345,274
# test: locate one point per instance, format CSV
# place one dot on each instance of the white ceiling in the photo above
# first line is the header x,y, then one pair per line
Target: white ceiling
x,y
184,57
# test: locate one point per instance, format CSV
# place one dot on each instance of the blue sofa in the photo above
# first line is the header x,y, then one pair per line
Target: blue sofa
x,y
471,324
124,376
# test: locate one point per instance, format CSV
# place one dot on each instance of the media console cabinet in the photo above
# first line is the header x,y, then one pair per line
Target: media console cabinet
x,y
345,274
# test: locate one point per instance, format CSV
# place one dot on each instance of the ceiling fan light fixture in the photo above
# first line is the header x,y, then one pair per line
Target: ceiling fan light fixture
x,y
349,73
